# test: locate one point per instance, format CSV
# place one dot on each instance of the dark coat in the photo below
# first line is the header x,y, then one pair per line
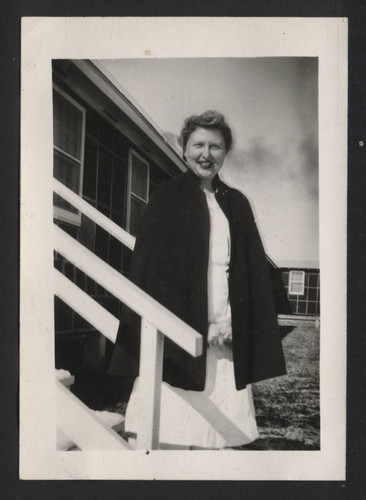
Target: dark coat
x,y
170,262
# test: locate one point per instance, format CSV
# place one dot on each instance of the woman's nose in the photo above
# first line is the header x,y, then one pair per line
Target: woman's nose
x,y
206,151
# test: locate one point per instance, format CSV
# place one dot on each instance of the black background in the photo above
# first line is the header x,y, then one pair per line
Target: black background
x,y
10,486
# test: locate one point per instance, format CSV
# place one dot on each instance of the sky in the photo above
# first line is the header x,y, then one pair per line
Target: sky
x,y
271,106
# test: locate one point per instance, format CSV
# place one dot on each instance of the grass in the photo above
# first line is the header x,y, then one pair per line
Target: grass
x,y
287,408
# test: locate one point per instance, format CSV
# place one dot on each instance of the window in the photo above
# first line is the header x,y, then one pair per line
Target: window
x,y
297,283
138,190
68,151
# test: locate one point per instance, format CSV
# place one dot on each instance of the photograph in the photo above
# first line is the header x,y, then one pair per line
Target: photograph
x,y
108,159
178,256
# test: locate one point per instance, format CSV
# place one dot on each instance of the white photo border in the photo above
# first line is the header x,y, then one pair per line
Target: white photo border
x,y
47,38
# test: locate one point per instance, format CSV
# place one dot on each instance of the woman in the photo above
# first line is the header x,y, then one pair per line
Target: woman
x,y
199,254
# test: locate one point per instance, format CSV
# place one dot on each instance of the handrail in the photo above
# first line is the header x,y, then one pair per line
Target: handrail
x,y
156,321
111,227
128,293
87,307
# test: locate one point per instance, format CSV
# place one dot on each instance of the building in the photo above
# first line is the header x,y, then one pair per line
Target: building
x,y
108,153
302,284
111,155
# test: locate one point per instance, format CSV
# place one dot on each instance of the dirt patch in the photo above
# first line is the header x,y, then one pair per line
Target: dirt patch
x,y
287,408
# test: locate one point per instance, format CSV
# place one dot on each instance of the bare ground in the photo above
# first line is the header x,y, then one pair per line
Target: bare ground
x,y
287,408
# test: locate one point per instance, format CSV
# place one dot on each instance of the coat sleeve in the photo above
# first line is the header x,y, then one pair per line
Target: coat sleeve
x,y
267,354
263,311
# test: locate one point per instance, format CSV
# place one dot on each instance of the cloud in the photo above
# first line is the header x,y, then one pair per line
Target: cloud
x,y
295,163
309,157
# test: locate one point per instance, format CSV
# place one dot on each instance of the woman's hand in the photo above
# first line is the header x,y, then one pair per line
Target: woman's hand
x,y
213,334
225,330
219,333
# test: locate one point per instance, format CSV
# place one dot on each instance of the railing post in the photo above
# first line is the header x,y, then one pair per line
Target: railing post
x,y
151,370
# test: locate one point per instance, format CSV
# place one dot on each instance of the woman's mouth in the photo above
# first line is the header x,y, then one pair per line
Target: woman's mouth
x,y
205,164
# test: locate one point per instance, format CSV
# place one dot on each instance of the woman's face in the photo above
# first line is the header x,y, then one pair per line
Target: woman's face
x,y
205,152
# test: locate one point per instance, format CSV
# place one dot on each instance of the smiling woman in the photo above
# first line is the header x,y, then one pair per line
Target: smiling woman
x,y
206,139
273,107
198,252
205,154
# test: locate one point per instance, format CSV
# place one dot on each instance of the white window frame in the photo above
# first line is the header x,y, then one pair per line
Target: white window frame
x,y
130,194
297,281
60,213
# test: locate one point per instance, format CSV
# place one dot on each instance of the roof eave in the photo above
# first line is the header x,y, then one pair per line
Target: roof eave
x,y
94,71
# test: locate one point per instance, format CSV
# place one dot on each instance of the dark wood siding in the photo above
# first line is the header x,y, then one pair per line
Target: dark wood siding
x,y
105,188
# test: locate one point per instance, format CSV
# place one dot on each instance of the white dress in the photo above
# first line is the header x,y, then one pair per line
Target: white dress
x,y
220,416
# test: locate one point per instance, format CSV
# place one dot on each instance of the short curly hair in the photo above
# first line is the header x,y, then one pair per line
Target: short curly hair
x,y
210,120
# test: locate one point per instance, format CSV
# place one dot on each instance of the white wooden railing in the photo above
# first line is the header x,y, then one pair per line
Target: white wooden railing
x,y
111,227
82,427
157,321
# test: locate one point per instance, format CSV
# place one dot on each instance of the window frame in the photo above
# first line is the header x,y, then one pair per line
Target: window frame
x,y
292,282
62,214
131,153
